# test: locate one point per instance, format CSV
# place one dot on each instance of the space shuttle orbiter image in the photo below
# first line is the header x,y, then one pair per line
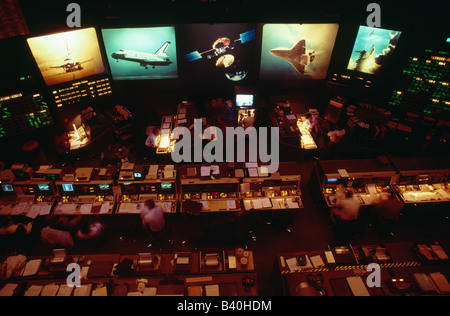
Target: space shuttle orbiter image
x,y
296,56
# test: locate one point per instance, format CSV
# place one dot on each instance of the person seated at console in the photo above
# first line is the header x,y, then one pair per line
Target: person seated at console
x,y
152,217
347,208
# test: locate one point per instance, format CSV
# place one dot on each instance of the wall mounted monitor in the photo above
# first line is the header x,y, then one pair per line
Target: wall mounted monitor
x,y
372,50
67,56
44,187
141,53
218,52
244,100
297,51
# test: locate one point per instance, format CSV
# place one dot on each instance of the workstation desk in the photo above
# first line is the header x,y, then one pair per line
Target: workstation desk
x,y
366,178
423,180
215,187
261,190
347,276
156,182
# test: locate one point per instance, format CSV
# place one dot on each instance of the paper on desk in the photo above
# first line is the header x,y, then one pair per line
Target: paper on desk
x,y
205,171
357,286
105,208
247,205
169,174
251,165
65,290
253,172
67,208
84,290
372,188
212,290
8,290
257,204
215,169
266,203
231,205
291,117
292,264
50,290
317,261
32,267
34,211
149,291
134,294
153,171
275,204
45,210
101,291
205,205
20,209
33,290
85,208
263,171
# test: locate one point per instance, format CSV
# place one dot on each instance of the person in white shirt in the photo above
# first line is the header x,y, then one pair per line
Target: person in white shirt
x,y
347,208
152,217
90,231
336,136
153,139
310,123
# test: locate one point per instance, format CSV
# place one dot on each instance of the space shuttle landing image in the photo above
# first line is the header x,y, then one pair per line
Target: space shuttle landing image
x,y
141,53
67,56
159,58
297,51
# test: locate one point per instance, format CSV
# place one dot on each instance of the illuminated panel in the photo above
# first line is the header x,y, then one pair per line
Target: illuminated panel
x,y
20,114
424,85
80,91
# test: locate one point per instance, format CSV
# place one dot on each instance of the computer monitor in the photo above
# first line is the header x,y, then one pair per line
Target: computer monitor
x,y
166,185
44,187
68,56
7,188
244,100
104,187
68,188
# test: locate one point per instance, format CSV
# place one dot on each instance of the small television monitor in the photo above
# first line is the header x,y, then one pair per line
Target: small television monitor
x,y
68,188
7,188
44,187
373,49
67,56
138,175
142,53
330,181
244,100
104,187
128,188
166,185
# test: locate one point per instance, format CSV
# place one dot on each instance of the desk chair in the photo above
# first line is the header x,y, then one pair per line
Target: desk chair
x,y
160,237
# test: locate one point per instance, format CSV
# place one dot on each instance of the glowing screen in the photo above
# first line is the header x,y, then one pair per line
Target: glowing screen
x,y
67,56
297,51
372,50
141,53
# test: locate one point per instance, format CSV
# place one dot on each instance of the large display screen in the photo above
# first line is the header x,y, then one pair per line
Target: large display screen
x,y
372,50
141,53
297,51
219,52
67,56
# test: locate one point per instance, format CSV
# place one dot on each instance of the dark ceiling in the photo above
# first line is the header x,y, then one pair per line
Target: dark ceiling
x,y
44,16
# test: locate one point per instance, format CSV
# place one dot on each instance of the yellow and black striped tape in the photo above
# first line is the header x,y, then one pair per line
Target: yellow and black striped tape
x,y
356,267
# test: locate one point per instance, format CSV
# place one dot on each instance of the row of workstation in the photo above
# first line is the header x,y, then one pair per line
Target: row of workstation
x,y
228,272
191,188
414,180
406,269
